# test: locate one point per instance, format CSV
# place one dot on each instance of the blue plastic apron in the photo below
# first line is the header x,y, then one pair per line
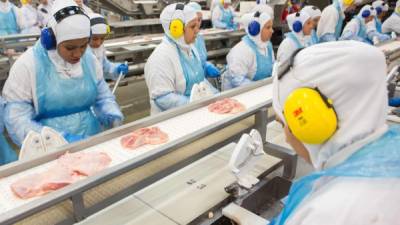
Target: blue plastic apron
x,y
314,38
378,25
64,104
8,22
201,48
264,62
192,68
227,17
293,37
339,25
378,159
362,31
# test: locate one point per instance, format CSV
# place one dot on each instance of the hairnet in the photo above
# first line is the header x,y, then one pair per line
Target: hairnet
x,y
357,89
264,8
384,6
313,11
301,16
367,8
262,19
71,28
100,28
195,6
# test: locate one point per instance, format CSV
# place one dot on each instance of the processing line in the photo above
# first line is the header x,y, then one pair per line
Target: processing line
x,y
193,132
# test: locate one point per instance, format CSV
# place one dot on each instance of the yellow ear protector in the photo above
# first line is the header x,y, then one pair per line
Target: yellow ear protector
x,y
222,2
348,2
100,20
309,114
177,27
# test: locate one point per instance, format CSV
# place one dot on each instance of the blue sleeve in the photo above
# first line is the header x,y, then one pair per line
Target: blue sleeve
x,y
381,37
327,38
171,100
19,120
110,69
106,107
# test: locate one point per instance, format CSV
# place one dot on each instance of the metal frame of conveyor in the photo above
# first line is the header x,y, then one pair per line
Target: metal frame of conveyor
x,y
391,55
74,193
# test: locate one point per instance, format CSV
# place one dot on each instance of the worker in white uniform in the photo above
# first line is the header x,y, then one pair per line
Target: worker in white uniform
x,y
210,69
175,65
315,14
223,15
336,120
44,10
252,58
332,20
9,18
392,24
357,28
381,9
59,84
29,18
100,30
301,26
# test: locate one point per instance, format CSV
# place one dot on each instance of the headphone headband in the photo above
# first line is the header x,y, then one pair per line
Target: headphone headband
x,y
68,11
97,20
257,14
179,6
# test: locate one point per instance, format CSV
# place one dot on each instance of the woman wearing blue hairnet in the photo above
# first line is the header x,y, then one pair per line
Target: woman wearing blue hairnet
x,y
355,153
252,58
210,69
175,66
58,84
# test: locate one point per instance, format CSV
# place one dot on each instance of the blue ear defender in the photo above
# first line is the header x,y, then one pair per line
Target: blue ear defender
x,y
47,37
254,26
297,25
367,13
379,10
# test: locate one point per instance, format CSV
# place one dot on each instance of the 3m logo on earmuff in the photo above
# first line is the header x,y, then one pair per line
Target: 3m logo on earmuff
x,y
297,112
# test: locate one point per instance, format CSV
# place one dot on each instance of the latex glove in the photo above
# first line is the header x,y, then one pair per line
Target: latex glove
x,y
212,71
71,138
111,121
394,102
122,68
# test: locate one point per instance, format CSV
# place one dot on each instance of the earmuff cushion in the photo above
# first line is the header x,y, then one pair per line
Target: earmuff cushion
x,y
254,28
297,26
379,10
48,39
366,13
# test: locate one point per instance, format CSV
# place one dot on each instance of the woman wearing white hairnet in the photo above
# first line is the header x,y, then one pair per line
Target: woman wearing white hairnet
x,y
175,65
58,84
223,15
9,18
332,18
301,26
29,18
336,120
361,27
100,30
210,69
252,58
315,14
381,9
392,24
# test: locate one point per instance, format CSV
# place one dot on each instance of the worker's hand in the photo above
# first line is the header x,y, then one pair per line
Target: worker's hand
x,y
111,121
122,68
211,70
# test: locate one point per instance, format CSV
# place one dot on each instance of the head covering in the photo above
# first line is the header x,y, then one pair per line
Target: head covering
x,y
262,2
262,19
313,11
70,28
381,4
369,8
195,6
170,13
358,91
5,6
264,8
301,16
98,28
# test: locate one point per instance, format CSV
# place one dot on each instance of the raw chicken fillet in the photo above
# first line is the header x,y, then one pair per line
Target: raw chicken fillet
x,y
226,106
143,136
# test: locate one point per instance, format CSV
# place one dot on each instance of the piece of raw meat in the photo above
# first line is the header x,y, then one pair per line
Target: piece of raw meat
x,y
68,169
226,106
85,163
39,184
143,136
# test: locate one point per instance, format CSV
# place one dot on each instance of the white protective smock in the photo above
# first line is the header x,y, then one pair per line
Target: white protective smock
x,y
294,40
44,13
163,70
360,101
222,18
392,24
30,20
242,60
